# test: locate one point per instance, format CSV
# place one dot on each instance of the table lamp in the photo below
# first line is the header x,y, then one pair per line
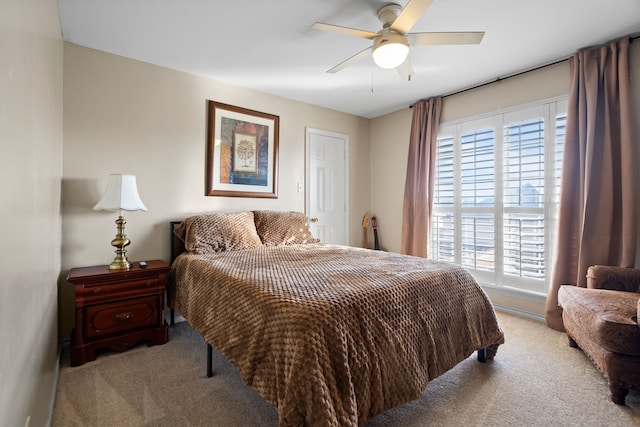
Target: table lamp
x,y
121,195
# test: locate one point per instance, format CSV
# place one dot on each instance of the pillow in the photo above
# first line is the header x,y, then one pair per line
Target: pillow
x,y
218,232
282,228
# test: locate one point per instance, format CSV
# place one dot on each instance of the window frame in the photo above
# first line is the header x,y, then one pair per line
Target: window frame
x,y
549,110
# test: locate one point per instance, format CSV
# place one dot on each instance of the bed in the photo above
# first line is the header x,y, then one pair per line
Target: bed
x,y
329,335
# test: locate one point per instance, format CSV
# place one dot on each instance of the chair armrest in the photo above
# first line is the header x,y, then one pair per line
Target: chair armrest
x,y
614,278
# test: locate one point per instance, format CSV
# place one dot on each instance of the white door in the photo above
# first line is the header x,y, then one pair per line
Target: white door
x,y
327,186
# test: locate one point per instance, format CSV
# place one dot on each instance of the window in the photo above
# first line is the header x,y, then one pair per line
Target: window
x,y
494,201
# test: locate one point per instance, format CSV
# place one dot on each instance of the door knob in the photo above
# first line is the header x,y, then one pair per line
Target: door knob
x,y
314,219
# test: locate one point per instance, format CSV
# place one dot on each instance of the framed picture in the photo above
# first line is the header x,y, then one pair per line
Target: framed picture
x,y
242,152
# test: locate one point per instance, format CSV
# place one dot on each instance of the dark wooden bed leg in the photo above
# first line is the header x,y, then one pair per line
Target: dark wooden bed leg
x,y
209,360
172,316
482,355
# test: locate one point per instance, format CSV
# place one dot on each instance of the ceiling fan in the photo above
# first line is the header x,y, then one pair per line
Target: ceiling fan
x,y
391,44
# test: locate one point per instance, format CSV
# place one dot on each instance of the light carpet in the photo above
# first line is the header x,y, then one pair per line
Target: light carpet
x,y
536,379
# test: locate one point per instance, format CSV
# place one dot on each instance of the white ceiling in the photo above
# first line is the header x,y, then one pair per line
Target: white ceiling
x,y
268,45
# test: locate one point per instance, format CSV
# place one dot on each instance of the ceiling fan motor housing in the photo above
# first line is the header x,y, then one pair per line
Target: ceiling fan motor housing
x,y
388,13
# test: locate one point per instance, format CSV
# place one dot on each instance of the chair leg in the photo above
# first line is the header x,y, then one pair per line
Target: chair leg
x,y
618,394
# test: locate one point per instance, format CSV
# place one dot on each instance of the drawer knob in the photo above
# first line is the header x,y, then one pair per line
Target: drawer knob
x,y
97,290
124,316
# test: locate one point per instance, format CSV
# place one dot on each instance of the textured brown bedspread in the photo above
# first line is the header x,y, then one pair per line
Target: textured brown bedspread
x,y
331,335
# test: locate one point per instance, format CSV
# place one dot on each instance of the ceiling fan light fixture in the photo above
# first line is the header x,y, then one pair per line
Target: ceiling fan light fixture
x,y
390,49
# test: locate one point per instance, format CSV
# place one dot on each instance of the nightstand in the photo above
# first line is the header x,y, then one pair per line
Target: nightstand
x,y
116,309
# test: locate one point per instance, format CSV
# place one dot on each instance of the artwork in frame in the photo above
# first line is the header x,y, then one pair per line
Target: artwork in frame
x,y
242,152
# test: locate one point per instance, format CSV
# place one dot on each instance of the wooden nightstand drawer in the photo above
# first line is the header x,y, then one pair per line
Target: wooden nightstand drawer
x,y
97,293
112,318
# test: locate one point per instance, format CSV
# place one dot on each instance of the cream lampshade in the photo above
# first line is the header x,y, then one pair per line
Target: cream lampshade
x,y
121,195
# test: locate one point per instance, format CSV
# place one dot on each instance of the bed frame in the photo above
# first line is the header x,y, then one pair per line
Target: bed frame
x,y
177,247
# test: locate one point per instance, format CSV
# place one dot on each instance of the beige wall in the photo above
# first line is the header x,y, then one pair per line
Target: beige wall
x,y
126,116
30,171
390,142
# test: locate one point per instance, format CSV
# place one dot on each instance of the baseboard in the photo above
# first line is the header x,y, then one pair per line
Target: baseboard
x,y
521,313
177,316
56,376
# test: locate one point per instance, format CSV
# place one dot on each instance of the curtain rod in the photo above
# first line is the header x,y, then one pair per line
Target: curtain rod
x,y
499,79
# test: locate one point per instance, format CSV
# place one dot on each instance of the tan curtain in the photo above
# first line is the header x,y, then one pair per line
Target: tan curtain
x,y
597,213
418,189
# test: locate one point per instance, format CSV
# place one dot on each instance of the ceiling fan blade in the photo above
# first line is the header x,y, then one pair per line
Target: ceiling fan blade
x,y
410,15
405,70
355,58
344,30
430,39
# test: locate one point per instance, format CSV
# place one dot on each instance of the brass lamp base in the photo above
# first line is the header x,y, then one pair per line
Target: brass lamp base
x,y
120,242
119,264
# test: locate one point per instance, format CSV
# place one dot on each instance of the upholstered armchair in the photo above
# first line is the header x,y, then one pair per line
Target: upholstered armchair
x,y
602,320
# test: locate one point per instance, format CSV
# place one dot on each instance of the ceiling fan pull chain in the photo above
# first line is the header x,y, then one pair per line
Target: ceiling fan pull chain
x,y
372,79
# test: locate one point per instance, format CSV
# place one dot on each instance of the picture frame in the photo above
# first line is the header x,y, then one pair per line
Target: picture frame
x,y
242,152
